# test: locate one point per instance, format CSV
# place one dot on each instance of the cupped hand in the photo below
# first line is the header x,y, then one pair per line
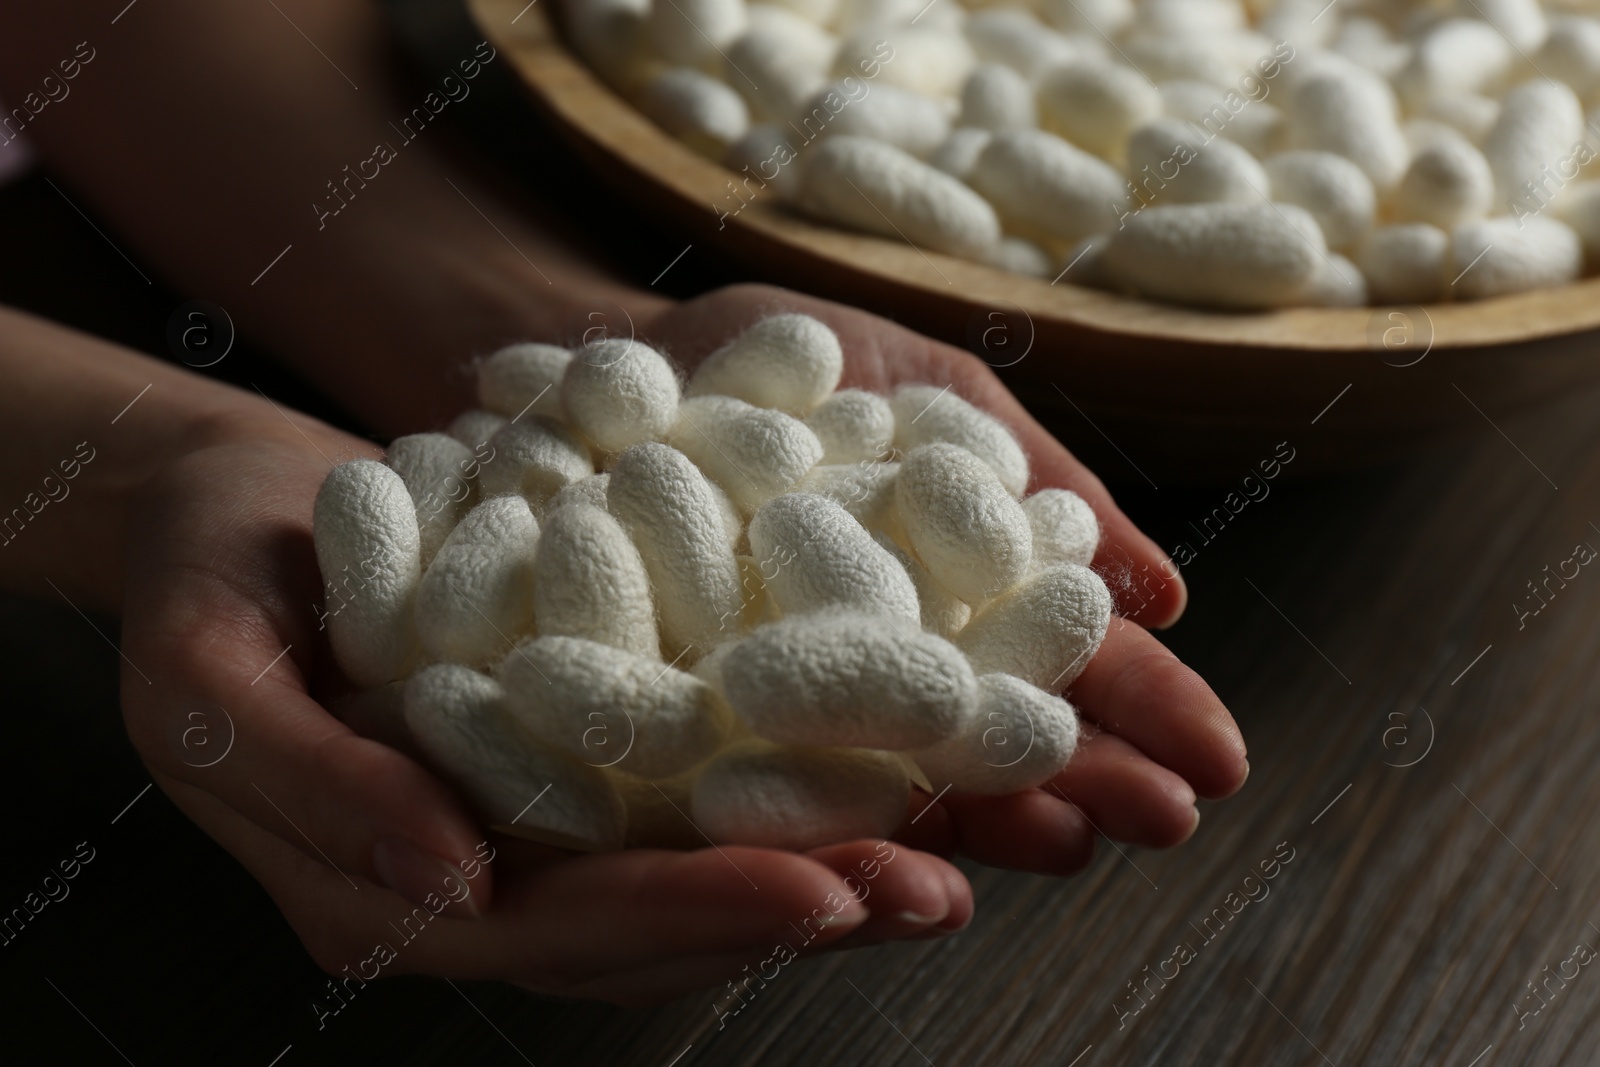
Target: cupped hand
x,y
1158,736
226,692
229,679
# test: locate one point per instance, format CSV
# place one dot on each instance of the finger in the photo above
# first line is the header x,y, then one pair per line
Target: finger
x,y
1144,581
880,355
603,913
1127,796
1142,578
1137,689
591,916
1027,831
927,826
963,906
578,921
230,647
732,980
907,891
338,926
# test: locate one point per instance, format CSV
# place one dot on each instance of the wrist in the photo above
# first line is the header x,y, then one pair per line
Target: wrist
x,y
68,537
435,294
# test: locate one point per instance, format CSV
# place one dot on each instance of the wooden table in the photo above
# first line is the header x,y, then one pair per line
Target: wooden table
x,y
1422,772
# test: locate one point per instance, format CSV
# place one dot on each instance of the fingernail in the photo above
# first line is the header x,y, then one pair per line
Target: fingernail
x,y
912,918
422,878
850,916
1183,603
940,930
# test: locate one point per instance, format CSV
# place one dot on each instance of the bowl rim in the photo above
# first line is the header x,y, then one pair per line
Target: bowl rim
x,y
597,118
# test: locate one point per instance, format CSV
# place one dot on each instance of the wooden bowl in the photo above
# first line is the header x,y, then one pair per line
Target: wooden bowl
x,y
1144,390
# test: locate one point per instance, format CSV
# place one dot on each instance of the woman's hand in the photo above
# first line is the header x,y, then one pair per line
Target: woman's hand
x,y
225,693
349,834
1161,737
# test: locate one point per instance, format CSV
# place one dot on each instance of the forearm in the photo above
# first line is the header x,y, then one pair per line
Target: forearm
x,y
208,135
84,424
